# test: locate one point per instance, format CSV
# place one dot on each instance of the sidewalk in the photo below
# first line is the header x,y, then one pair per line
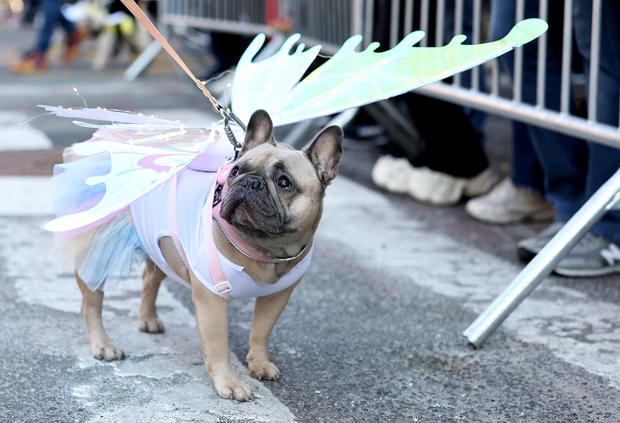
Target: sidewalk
x,y
371,335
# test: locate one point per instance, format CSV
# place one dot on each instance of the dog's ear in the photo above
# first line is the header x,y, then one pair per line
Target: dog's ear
x,y
325,153
260,130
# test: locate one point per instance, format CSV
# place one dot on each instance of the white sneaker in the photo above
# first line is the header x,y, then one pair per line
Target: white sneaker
x,y
507,203
441,189
391,174
435,188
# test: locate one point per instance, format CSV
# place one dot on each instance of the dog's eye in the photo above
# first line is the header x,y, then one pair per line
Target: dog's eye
x,y
283,182
234,171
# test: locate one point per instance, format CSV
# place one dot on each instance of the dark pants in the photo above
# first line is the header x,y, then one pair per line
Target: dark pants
x,y
452,134
572,168
53,16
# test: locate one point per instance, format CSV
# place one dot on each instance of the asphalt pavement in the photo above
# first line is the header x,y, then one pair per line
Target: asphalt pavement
x,y
373,333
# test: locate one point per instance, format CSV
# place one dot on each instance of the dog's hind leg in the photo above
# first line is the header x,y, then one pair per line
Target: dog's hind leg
x,y
100,344
147,316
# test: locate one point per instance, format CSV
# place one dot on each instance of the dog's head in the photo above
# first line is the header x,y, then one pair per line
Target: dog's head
x,y
274,193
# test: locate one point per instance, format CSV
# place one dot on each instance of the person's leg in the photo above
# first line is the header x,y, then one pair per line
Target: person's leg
x,y
562,158
52,15
452,162
519,198
603,161
595,254
66,24
453,145
453,134
526,168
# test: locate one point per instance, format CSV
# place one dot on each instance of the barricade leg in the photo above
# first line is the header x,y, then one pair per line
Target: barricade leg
x,y
606,198
142,61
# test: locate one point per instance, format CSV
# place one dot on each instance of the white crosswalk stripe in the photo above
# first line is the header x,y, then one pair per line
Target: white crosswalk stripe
x,y
18,134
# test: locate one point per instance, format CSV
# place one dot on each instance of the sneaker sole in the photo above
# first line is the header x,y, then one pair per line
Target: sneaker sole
x,y
585,273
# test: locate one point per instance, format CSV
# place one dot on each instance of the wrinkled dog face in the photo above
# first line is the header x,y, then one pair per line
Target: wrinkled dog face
x,y
274,190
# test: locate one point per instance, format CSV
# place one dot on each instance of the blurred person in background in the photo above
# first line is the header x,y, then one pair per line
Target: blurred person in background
x,y
451,163
36,58
572,169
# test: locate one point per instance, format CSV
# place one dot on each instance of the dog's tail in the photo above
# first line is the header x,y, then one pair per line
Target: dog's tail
x,y
106,254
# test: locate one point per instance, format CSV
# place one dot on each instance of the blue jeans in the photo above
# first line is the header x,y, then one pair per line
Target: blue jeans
x,y
603,161
53,15
572,168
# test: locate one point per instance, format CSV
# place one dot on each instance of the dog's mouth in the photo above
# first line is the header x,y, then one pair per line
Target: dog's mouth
x,y
251,211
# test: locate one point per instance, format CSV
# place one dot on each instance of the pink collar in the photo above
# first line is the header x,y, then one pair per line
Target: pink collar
x,y
222,176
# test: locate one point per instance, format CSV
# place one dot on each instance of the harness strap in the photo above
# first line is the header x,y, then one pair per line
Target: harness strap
x,y
221,284
172,220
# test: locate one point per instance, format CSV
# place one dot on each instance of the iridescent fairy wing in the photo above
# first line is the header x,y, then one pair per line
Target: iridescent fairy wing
x,y
108,115
264,84
350,78
120,163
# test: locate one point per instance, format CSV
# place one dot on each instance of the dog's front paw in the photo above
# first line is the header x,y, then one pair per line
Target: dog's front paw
x,y
150,325
108,352
231,388
263,370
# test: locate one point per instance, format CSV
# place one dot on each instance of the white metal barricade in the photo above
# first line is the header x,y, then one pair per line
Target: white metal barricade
x,y
330,22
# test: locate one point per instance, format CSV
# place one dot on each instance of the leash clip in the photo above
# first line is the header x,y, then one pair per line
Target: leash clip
x,y
228,115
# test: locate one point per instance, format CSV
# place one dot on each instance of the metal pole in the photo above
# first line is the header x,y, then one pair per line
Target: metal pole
x,y
595,47
526,113
394,22
475,72
539,268
440,22
368,19
458,29
541,69
567,44
424,22
356,17
408,16
518,57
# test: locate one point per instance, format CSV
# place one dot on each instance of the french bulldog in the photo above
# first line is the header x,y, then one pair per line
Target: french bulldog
x,y
273,201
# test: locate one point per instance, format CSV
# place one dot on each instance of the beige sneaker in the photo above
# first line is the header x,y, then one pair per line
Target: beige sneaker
x,y
481,183
507,203
441,189
391,174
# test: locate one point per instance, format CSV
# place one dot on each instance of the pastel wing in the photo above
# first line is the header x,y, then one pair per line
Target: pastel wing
x,y
263,84
119,164
109,115
350,78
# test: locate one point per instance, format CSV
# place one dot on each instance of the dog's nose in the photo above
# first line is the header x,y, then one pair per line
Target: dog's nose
x,y
255,183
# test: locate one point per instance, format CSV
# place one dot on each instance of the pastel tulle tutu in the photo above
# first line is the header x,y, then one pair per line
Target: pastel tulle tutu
x,y
113,244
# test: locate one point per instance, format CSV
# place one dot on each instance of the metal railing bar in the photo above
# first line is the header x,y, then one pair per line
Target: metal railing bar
x,y
595,49
567,44
424,22
368,17
563,123
518,57
541,67
394,21
408,16
475,39
218,25
439,22
458,29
